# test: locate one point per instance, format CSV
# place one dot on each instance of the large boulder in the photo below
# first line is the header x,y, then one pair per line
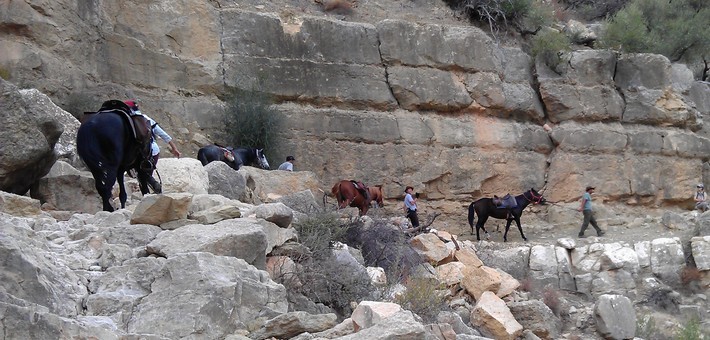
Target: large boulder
x,y
241,238
226,181
18,205
30,131
183,175
67,188
615,317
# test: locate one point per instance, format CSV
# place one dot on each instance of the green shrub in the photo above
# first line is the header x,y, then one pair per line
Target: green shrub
x,y
249,121
4,73
594,9
627,32
425,297
691,331
677,29
318,232
646,327
550,45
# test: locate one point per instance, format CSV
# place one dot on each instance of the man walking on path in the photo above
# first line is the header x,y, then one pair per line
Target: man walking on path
x,y
586,209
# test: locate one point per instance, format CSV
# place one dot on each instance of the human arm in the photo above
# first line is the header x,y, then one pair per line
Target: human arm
x,y
582,202
173,149
158,131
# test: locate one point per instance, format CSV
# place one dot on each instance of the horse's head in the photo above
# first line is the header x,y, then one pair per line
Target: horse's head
x,y
535,197
261,158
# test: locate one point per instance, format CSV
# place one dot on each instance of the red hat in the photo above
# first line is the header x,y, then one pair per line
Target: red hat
x,y
132,104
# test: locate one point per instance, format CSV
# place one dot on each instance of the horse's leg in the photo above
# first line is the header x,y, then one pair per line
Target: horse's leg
x,y
507,227
104,181
122,196
143,178
520,228
481,225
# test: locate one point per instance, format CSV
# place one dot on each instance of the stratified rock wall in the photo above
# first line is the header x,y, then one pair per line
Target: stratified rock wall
x,y
443,108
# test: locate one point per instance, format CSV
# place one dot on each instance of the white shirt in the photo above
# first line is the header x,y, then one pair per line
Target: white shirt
x,y
288,166
409,202
157,131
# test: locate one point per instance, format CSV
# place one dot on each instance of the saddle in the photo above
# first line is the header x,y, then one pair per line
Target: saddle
x,y
140,127
362,188
505,202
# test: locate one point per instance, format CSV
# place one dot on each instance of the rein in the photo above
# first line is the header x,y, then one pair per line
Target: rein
x,y
534,199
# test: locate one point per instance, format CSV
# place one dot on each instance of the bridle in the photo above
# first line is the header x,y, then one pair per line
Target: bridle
x,y
535,199
262,159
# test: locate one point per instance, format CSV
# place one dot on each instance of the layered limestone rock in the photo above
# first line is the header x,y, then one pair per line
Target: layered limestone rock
x,y
443,108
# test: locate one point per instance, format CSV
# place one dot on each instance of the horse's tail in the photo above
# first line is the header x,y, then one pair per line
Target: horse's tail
x,y
471,215
202,157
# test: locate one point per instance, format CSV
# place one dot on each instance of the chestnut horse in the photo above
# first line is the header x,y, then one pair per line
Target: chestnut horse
x,y
348,194
376,195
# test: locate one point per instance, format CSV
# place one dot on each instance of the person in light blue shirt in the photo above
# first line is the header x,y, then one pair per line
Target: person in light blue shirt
x,y
410,207
586,209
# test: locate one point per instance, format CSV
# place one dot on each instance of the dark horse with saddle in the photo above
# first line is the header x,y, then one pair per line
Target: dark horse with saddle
x,y
507,208
111,142
234,157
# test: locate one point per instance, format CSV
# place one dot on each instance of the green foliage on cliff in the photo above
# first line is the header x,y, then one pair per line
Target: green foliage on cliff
x,y
594,9
678,29
4,73
249,121
550,45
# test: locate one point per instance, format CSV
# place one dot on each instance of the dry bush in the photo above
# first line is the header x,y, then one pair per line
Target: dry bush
x,y
425,297
688,275
321,277
551,298
527,285
342,7
383,245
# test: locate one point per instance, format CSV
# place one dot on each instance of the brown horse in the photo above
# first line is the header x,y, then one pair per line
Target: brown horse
x,y
376,195
351,193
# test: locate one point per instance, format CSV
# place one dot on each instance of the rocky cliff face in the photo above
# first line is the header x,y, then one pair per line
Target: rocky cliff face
x,y
443,108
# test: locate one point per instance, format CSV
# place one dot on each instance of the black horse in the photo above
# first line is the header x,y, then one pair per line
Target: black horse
x,y
235,158
485,208
112,142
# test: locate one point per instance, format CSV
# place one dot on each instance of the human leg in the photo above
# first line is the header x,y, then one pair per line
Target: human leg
x,y
593,221
412,214
157,188
585,223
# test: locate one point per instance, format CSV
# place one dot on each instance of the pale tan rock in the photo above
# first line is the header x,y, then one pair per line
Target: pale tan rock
x,y
493,318
19,205
478,280
431,247
369,313
162,208
508,284
450,273
468,257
